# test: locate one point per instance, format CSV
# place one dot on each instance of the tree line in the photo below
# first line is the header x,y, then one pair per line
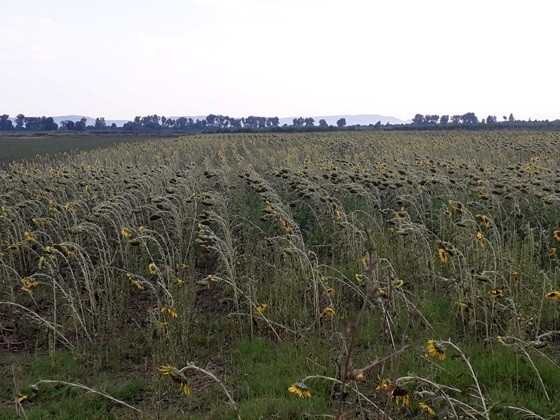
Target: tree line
x,y
221,123
467,118
156,123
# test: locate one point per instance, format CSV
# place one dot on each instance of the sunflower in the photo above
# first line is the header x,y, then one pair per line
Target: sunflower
x,y
556,234
364,261
329,312
435,350
260,309
152,268
29,236
485,220
443,256
397,394
463,304
300,389
177,376
28,284
358,375
397,284
427,409
554,295
383,385
178,282
330,292
126,233
552,252
169,312
480,239
401,214
400,396
496,293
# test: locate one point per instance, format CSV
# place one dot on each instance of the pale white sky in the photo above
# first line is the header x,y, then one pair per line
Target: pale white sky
x,y
122,58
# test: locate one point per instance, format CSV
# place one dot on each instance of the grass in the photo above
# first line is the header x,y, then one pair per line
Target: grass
x,y
238,266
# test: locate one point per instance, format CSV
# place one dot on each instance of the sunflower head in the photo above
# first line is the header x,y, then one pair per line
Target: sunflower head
x,y
496,293
152,268
126,233
300,390
443,256
427,409
553,295
260,309
329,312
556,234
435,350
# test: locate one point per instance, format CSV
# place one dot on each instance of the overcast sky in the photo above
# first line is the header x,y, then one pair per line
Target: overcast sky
x,y
122,58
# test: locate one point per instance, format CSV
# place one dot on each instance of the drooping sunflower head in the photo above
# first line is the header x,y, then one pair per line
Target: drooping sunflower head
x,y
260,309
300,390
426,409
401,214
480,238
152,268
400,396
436,350
443,256
463,304
485,220
553,295
126,233
329,312
330,292
496,293
556,234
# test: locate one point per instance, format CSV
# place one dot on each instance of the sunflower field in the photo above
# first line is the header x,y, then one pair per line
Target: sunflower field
x,y
348,274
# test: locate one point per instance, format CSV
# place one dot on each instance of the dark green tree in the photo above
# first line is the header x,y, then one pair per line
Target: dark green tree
x,y
20,120
100,124
5,123
418,119
341,122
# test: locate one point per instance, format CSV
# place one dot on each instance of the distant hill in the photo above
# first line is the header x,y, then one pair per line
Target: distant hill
x,y
90,120
362,119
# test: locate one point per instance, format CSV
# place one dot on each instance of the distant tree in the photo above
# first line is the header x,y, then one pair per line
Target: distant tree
x,y
67,125
210,120
377,125
272,122
298,122
418,119
505,118
456,119
80,125
48,124
511,118
20,120
491,119
129,126
323,123
5,123
469,118
309,122
341,122
431,119
113,126
444,119
100,124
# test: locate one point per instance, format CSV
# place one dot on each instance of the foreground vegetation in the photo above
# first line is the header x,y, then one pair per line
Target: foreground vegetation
x,y
374,275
